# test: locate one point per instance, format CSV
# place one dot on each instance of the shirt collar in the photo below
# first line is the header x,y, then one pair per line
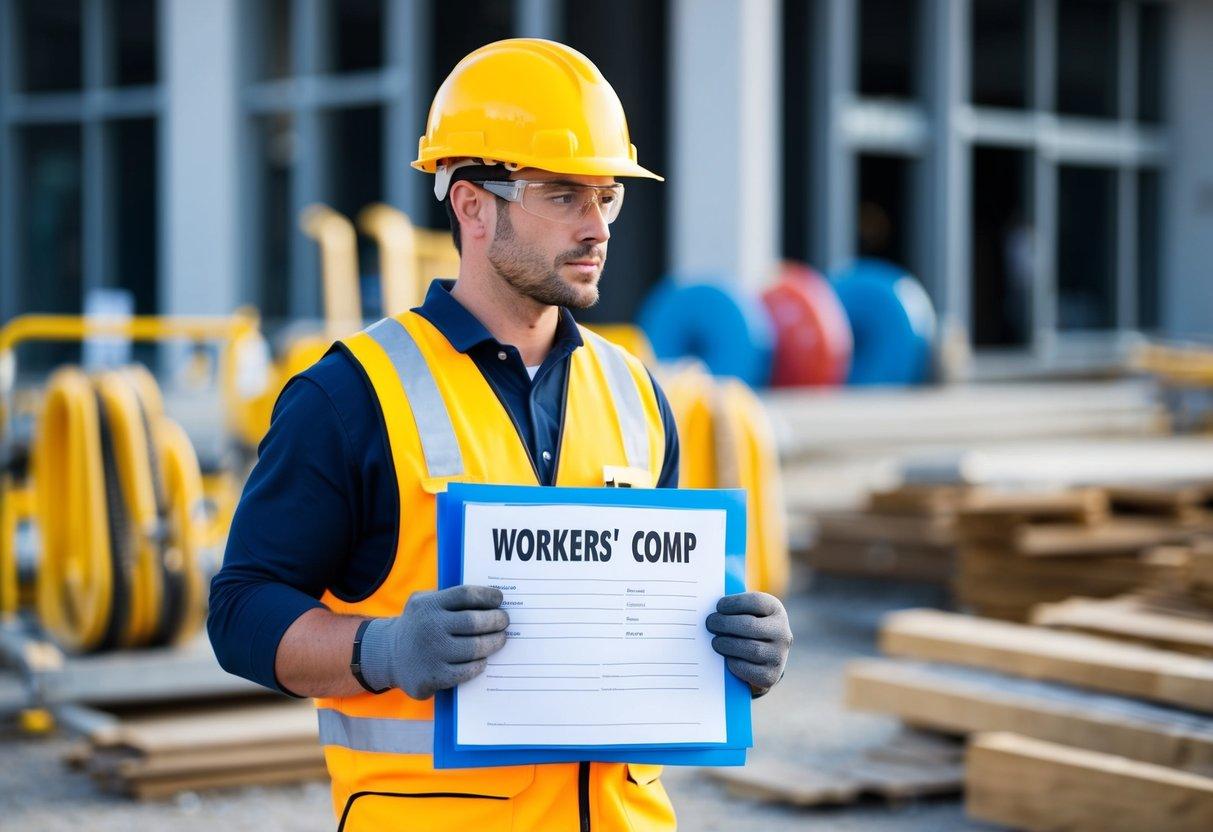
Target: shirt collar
x,y
465,331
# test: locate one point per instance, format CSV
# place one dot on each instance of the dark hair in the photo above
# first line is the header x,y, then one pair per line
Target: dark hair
x,y
474,172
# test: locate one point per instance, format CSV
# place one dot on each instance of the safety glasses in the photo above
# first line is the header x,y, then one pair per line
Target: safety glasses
x,y
565,202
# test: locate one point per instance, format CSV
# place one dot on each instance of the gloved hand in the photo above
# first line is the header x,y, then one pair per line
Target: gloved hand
x,y
441,639
753,635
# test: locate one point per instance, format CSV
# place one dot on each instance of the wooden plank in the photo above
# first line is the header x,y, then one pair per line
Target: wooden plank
x,y
156,789
961,700
1037,653
218,761
1189,502
213,728
911,563
1112,537
1129,619
1079,505
865,527
1040,786
930,500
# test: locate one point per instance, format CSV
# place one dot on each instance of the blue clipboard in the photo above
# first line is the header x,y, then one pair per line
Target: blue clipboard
x,y
448,753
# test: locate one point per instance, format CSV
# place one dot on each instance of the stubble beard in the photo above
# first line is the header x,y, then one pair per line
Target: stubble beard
x,y
532,276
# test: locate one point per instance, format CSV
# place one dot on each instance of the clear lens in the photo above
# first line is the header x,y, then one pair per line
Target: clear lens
x,y
564,202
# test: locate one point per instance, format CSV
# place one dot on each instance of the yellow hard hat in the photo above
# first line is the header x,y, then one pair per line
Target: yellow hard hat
x,y
529,103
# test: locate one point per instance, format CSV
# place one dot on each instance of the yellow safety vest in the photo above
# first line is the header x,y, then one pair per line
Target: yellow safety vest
x,y
444,423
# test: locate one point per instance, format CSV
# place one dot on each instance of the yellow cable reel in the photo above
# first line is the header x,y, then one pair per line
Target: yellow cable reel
x,y
83,579
748,459
118,493
726,441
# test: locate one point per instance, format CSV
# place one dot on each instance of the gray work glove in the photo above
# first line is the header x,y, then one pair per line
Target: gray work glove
x,y
441,639
753,635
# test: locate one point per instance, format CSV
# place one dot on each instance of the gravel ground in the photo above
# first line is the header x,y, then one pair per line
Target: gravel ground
x,y
833,621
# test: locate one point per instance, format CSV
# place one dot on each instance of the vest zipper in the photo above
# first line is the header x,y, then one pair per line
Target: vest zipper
x,y
564,409
583,795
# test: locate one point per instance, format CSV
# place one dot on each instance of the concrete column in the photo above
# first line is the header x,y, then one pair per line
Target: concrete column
x,y
1187,242
833,174
723,182
944,232
198,139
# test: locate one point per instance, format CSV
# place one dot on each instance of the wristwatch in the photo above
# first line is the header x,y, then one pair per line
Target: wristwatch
x,y
356,659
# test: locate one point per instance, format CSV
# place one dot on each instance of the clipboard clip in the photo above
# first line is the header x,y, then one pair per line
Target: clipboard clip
x,y
619,476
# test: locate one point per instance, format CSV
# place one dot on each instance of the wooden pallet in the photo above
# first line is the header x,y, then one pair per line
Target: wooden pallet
x,y
1040,786
1037,653
910,765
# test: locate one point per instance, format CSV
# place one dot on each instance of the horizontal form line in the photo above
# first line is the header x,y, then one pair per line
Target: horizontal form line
x,y
601,580
582,724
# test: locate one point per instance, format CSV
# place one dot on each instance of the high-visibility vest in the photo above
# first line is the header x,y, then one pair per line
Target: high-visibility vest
x,y
445,424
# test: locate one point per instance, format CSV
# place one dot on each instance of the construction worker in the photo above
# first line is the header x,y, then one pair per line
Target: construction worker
x,y
328,584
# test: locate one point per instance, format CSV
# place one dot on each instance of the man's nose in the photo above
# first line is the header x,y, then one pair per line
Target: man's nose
x,y
594,228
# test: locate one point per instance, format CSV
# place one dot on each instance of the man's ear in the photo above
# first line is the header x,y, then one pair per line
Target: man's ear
x,y
472,209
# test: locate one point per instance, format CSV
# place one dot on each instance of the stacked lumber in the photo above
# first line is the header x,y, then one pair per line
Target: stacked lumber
x,y
1017,551
204,748
1067,730
906,533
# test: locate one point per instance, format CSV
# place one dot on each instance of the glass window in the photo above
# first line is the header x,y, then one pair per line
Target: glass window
x,y
1002,252
1000,53
269,48
50,263
274,149
797,136
460,28
1086,58
132,25
1149,234
50,38
356,36
888,46
1151,63
1086,248
355,180
884,223
134,211
600,29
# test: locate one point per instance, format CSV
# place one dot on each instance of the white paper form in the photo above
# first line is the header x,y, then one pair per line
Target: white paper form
x,y
607,643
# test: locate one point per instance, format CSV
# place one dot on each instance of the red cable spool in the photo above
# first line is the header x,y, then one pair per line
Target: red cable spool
x,y
812,334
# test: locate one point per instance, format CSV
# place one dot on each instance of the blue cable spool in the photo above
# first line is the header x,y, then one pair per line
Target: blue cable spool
x,y
728,331
893,321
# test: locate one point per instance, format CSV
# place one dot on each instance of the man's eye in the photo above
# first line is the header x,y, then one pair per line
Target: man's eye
x,y
607,198
561,198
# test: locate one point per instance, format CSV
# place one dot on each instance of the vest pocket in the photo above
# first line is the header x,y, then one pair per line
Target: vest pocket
x,y
488,810
647,806
643,773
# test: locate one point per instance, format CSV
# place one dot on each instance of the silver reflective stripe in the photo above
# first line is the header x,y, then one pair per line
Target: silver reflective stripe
x,y
628,405
387,736
442,455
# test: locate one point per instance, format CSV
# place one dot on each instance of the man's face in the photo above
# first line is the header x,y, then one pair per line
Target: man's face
x,y
553,263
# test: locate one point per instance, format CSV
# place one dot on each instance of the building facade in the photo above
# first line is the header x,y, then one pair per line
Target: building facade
x,y
1042,166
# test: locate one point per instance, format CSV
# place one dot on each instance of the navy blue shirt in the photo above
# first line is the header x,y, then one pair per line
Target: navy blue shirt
x,y
321,508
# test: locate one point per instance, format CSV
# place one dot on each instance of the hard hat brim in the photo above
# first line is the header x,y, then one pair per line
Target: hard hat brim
x,y
582,166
